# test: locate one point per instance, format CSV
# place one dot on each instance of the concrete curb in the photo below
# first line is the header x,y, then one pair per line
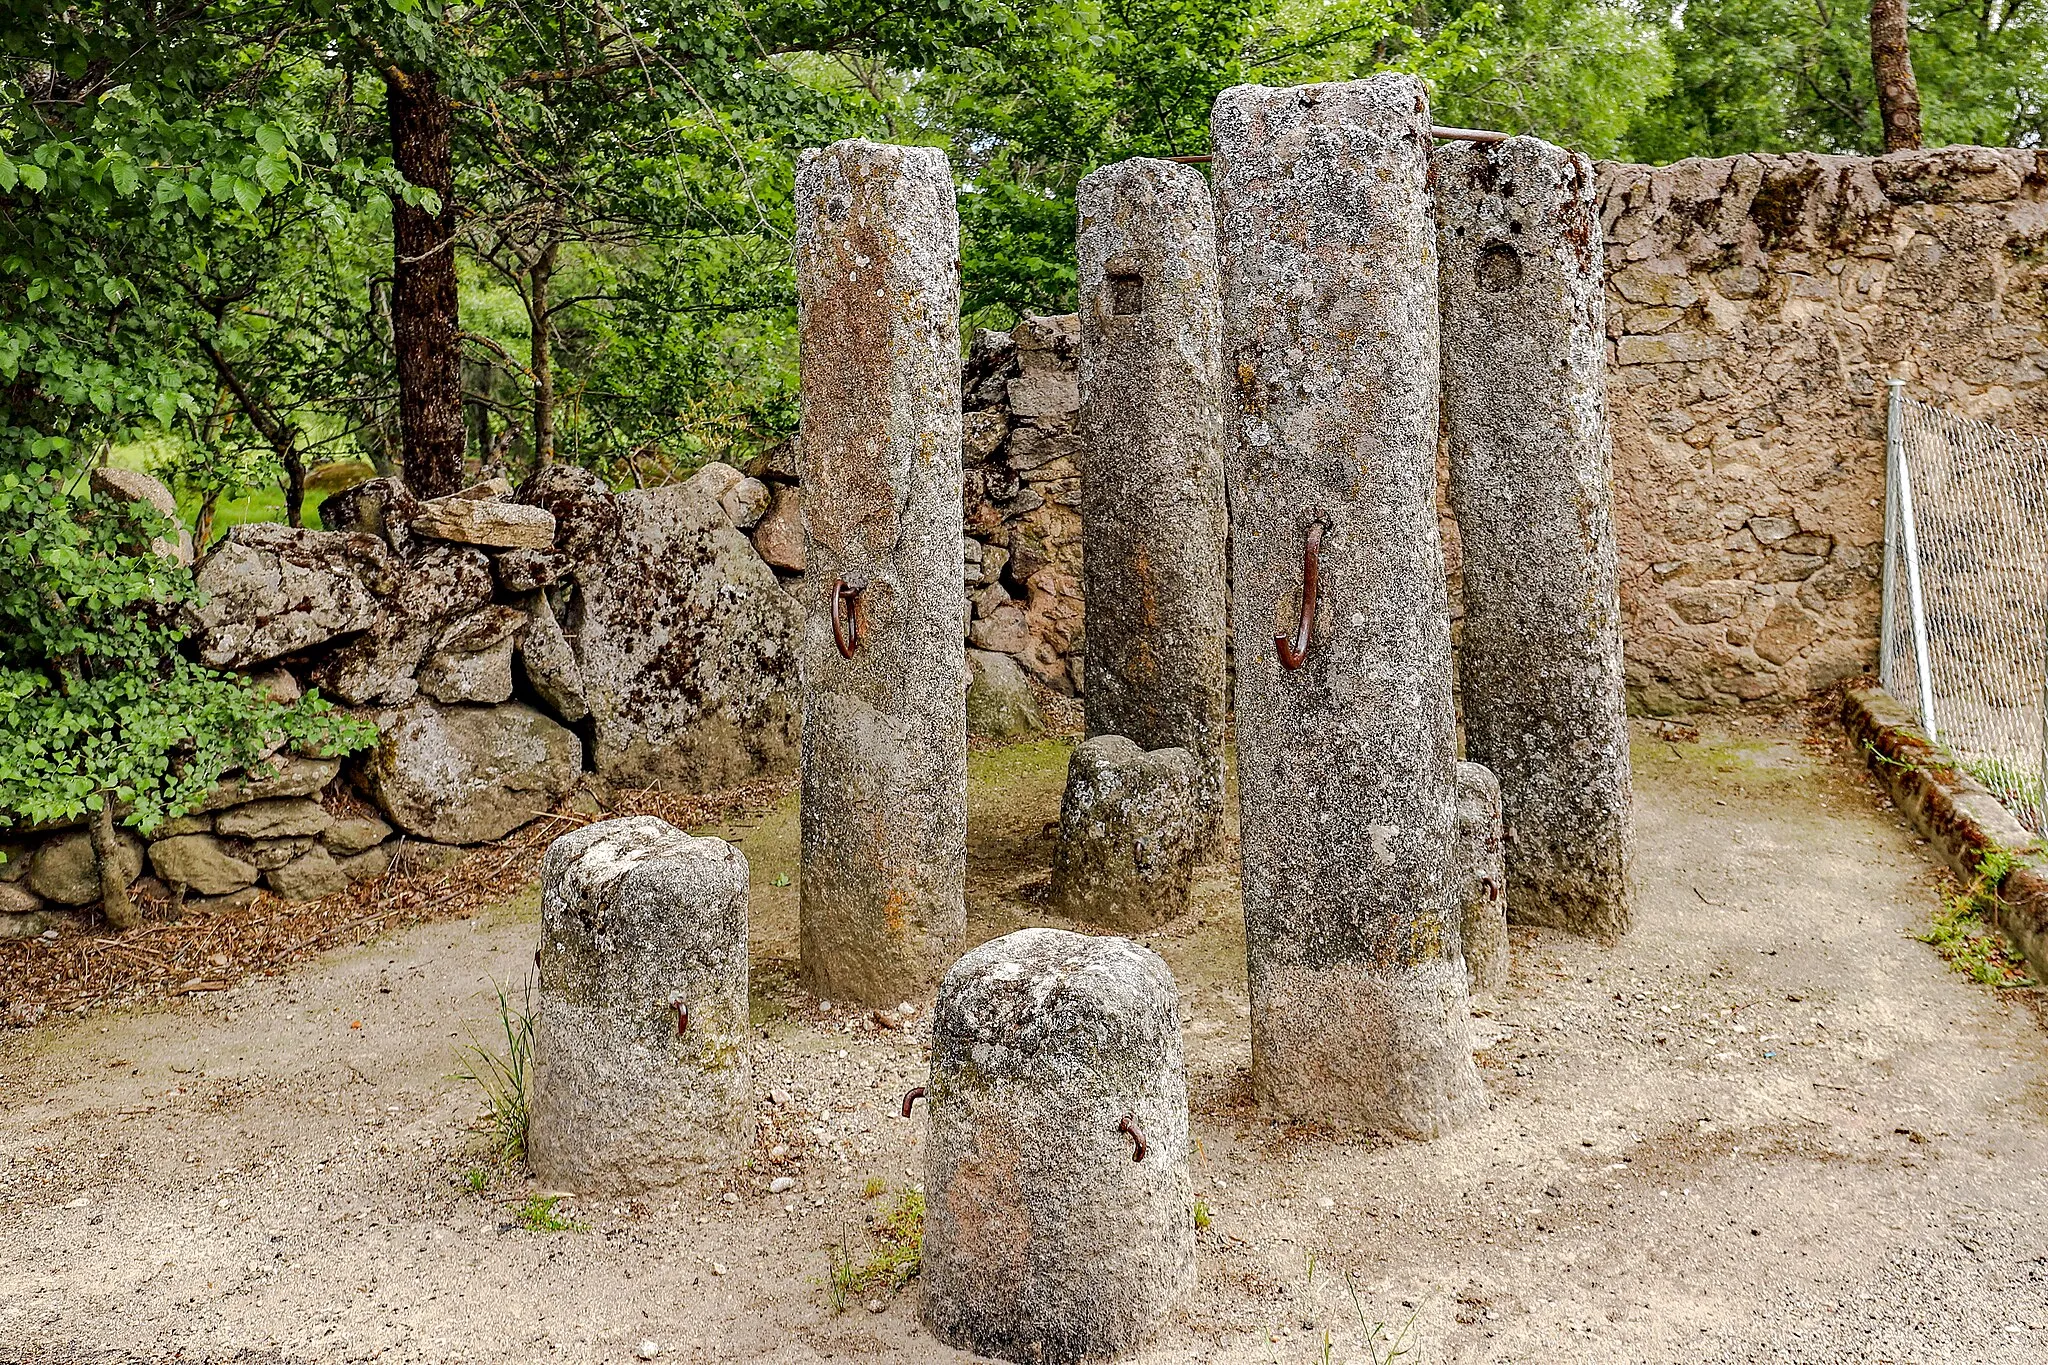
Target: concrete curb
x,y
1958,815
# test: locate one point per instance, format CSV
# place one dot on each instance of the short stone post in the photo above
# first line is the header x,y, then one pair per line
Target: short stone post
x,y
1482,886
1059,1216
884,803
1131,828
1344,715
640,1067
1153,512
1524,328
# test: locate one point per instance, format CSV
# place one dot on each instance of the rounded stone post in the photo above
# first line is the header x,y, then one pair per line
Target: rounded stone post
x,y
1056,1060
1346,790
1524,387
1131,825
1482,886
1152,502
640,1067
884,803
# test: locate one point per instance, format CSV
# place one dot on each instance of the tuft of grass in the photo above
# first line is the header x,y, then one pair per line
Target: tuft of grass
x,y
1202,1215
1964,932
476,1177
538,1214
506,1079
898,1242
875,1188
1382,1347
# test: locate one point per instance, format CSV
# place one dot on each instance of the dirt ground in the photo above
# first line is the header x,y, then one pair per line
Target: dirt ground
x,y
1769,1126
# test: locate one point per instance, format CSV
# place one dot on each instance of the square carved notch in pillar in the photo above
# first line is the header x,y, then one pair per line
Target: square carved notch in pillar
x,y
1126,294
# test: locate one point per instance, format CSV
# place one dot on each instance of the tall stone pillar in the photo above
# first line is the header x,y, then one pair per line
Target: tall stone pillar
x,y
640,1068
1524,325
1153,513
884,803
1345,762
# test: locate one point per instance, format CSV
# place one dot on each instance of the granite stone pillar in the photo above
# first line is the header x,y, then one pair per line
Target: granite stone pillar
x,y
884,803
1059,1213
1153,512
1483,931
640,1068
1524,388
1345,761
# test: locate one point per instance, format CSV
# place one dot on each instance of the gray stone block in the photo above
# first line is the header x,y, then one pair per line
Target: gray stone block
x,y
1044,1241
641,1074
1131,832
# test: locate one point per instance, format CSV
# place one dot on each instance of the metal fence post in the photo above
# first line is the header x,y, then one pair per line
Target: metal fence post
x,y
1896,445
1888,610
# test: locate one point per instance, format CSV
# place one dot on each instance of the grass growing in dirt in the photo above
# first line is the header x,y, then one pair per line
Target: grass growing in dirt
x,y
897,1239
1964,931
506,1078
538,1214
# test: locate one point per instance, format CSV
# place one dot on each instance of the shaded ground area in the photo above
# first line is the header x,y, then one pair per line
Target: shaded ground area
x,y
1769,1126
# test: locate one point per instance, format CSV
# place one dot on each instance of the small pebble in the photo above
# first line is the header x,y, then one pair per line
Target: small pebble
x,y
718,1267
781,1183
779,1153
648,1350
876,1305
1326,1203
779,1098
825,1006
906,1009
729,1198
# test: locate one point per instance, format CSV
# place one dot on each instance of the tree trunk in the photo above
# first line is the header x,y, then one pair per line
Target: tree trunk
x,y
424,317
115,902
539,276
1891,61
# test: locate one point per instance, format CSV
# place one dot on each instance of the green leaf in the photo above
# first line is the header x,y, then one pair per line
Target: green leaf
x,y
248,194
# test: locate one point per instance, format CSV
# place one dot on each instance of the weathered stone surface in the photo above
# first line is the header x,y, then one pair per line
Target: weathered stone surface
x,y
65,871
713,479
1359,1015
1044,1242
550,664
437,585
283,775
470,774
378,507
270,590
354,834
686,646
1132,827
201,864
473,661
585,509
779,530
1524,393
368,865
524,571
269,854
132,485
884,805
274,819
485,521
745,503
312,876
999,702
17,899
1482,882
641,1070
1153,515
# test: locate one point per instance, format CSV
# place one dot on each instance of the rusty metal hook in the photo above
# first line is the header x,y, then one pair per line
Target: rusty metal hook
x,y
845,631
1293,651
1129,1127
910,1097
682,1018
1492,888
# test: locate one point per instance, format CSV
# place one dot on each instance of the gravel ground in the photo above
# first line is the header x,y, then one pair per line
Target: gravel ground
x,y
1767,1127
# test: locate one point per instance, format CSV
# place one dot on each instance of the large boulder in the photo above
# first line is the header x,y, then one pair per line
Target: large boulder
x,y
686,646
438,585
201,864
271,590
473,661
470,774
550,664
377,507
65,871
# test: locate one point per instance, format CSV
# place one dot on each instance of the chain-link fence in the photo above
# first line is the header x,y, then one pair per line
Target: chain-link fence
x,y
1965,632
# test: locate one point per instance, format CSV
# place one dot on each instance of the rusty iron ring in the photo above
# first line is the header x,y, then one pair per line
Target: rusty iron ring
x,y
1492,888
1129,1127
845,631
682,1018
910,1097
1293,651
